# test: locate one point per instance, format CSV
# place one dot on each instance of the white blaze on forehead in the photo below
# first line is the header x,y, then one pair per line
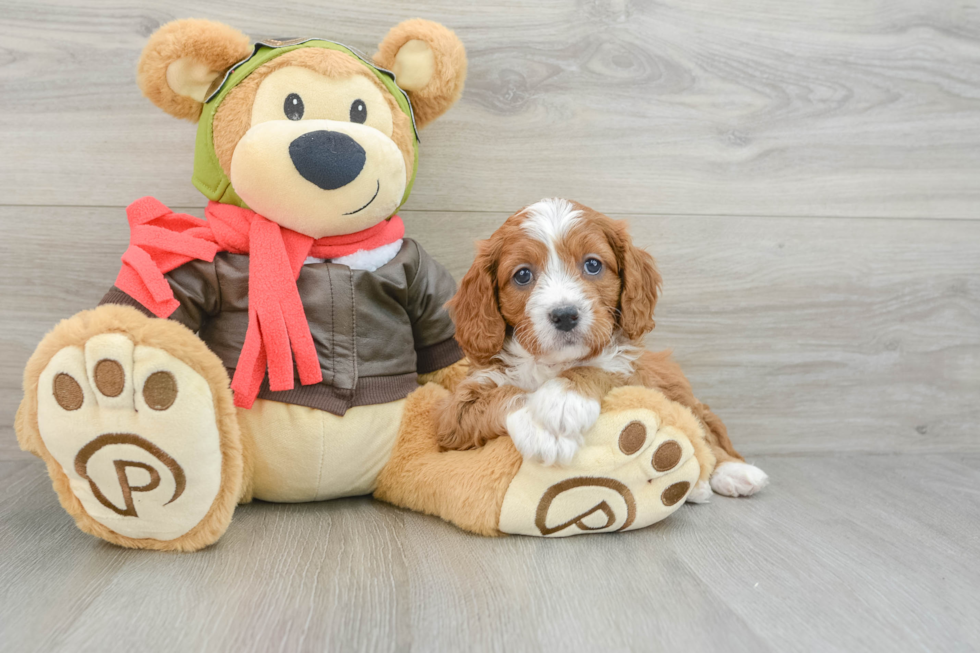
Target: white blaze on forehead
x,y
550,220
558,285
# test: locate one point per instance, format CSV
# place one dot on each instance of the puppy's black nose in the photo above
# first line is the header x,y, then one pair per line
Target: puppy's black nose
x,y
564,318
328,159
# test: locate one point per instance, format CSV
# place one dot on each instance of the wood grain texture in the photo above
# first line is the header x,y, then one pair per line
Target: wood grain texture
x,y
716,107
803,334
825,561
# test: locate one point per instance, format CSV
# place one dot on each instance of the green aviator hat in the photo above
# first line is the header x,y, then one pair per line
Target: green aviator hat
x,y
209,178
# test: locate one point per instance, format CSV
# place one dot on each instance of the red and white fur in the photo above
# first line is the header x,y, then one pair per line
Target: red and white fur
x,y
552,316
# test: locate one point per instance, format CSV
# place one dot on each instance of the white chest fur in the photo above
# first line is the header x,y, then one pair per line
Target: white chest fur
x,y
523,370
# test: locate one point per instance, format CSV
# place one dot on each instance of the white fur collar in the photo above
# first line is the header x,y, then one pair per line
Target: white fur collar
x,y
364,259
525,371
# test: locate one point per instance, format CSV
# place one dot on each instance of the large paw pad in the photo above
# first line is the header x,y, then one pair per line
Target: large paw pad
x,y
631,472
134,430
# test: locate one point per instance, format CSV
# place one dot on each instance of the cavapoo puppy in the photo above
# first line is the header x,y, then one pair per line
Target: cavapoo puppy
x,y
552,316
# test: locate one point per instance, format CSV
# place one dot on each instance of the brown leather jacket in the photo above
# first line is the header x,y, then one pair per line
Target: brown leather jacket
x,y
375,332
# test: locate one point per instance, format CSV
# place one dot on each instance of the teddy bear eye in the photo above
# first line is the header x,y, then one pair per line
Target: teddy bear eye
x,y
358,111
293,107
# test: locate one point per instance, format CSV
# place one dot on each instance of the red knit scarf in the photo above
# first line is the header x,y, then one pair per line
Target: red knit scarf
x,y
161,240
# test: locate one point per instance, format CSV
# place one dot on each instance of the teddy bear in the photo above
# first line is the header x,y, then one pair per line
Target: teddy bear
x,y
294,345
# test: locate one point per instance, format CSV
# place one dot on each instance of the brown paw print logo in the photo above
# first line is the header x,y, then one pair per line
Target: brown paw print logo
x,y
592,514
110,439
583,521
159,392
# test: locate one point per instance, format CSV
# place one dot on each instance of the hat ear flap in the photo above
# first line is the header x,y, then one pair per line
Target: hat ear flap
x,y
181,61
429,62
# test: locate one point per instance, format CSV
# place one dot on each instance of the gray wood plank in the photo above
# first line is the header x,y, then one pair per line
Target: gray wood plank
x,y
803,334
861,552
744,107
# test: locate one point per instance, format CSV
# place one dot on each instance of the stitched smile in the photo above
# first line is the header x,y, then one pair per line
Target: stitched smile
x,y
376,191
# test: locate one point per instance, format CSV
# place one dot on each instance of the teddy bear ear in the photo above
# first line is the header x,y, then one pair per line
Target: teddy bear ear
x,y
183,58
429,62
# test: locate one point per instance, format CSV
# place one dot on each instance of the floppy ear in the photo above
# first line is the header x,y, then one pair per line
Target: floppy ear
x,y
480,328
183,58
640,281
429,62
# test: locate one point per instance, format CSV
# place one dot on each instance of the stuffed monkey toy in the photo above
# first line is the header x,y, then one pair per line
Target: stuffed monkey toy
x,y
294,345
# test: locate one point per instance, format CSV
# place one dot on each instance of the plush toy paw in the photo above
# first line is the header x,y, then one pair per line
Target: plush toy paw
x,y
131,435
635,467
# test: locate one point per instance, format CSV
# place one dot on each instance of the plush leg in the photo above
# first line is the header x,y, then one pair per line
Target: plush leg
x,y
466,488
136,423
305,454
636,467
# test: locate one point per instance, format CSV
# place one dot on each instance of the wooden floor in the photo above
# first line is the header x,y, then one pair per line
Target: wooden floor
x,y
807,175
845,553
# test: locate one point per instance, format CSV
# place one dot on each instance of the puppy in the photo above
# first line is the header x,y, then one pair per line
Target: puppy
x,y
552,316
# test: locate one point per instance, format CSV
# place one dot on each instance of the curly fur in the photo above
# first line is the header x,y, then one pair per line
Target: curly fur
x,y
640,280
480,327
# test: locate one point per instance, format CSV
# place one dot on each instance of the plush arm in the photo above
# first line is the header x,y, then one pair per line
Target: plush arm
x,y
429,289
195,286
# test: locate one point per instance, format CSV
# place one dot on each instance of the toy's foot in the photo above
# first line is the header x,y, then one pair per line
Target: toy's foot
x,y
635,468
736,479
134,444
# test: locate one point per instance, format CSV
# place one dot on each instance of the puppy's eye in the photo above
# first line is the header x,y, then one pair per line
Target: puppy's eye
x,y
358,111
523,277
593,266
293,107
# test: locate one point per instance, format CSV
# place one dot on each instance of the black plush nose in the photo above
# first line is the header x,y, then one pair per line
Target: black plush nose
x,y
565,318
328,159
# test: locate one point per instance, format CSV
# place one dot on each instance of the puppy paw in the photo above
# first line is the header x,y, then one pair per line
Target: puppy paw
x,y
561,410
701,493
536,443
738,479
